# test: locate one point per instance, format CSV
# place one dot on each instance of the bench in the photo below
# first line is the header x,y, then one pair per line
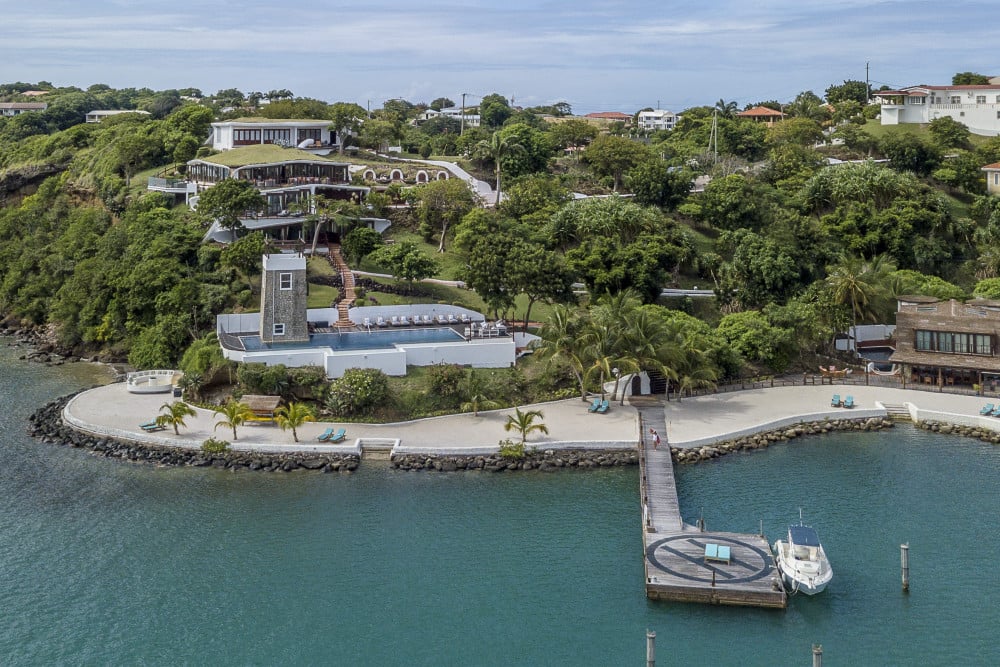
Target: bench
x,y
716,553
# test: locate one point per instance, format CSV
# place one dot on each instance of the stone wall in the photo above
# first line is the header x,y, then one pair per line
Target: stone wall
x,y
546,461
984,434
764,440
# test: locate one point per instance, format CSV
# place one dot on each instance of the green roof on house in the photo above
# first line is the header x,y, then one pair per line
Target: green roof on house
x,y
262,154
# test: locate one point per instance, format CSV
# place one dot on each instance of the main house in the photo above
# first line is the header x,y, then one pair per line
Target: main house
x,y
290,180
975,106
948,342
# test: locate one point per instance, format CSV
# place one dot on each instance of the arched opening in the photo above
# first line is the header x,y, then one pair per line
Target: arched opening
x,y
369,175
422,176
396,175
443,176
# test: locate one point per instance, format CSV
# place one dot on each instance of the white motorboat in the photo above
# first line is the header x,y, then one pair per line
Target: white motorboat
x,y
802,561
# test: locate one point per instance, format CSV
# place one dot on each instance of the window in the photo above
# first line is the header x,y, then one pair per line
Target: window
x,y
279,329
915,100
947,342
955,99
285,281
962,114
980,99
996,174
998,99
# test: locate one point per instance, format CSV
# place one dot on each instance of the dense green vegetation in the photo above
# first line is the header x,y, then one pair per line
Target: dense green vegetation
x,y
794,249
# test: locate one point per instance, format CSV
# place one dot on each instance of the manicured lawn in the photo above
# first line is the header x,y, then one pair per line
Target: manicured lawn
x,y
877,130
321,296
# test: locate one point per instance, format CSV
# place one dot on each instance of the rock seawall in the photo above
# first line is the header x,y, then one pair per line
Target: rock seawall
x,y
46,424
548,460
764,440
984,434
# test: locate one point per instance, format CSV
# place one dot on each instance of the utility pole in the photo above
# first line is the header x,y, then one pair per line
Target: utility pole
x,y
462,130
868,86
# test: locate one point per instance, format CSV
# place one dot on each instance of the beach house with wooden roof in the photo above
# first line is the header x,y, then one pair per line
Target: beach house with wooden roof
x,y
942,343
760,114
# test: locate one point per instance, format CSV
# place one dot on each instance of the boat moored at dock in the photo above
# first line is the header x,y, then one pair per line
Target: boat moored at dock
x,y
802,561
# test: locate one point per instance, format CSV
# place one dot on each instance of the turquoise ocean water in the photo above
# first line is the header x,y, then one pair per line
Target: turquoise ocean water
x,y
110,563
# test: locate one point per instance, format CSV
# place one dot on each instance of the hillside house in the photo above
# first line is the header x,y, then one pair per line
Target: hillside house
x,y
9,109
975,106
992,178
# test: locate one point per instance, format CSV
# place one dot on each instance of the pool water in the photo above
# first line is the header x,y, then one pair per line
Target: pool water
x,y
359,340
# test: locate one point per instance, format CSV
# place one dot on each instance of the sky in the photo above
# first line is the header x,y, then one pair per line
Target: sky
x,y
605,55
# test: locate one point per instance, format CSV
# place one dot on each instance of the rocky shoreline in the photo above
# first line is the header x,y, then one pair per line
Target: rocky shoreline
x,y
548,460
46,424
765,439
983,434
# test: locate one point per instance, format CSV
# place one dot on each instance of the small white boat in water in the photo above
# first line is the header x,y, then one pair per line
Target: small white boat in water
x,y
802,561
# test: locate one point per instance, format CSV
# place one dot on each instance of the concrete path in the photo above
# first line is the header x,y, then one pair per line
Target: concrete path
x,y
112,410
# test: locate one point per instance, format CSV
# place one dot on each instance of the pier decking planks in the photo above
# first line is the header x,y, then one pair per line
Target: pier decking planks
x,y
675,563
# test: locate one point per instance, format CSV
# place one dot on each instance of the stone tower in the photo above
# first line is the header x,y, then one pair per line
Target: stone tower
x,y
283,300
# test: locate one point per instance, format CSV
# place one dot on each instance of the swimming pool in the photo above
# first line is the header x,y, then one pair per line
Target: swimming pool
x,y
359,340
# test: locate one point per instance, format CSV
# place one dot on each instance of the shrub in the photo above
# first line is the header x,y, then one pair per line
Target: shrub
x,y
215,446
512,451
445,379
358,391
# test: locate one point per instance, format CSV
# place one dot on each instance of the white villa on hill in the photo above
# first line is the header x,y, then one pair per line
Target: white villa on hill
x,y
97,115
976,106
657,119
305,134
471,119
18,108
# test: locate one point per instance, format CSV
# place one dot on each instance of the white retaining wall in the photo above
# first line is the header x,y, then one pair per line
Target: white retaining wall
x,y
832,415
978,421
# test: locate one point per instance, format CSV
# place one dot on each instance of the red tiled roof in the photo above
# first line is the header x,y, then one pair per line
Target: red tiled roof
x,y
613,115
760,111
995,165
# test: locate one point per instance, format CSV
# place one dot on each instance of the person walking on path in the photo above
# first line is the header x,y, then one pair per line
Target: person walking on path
x,y
656,438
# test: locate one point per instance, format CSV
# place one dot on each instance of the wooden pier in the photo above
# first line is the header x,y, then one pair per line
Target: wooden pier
x,y
686,564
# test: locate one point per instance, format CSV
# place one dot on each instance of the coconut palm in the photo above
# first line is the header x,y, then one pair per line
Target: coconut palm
x,y
235,413
561,340
174,414
858,282
294,415
524,423
476,395
496,148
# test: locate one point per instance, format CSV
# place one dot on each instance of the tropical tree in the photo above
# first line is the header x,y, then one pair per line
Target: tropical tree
x,y
524,423
561,341
726,109
174,414
235,413
346,119
498,146
475,395
294,415
441,204
857,282
230,201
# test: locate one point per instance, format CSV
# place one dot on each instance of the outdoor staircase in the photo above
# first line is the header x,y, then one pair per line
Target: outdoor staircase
x,y
347,295
897,412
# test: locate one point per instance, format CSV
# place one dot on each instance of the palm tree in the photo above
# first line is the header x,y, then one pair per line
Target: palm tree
x,y
476,396
524,423
496,148
694,374
858,282
174,414
726,109
562,341
293,416
236,413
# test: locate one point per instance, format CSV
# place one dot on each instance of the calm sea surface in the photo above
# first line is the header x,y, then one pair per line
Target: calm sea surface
x,y
110,563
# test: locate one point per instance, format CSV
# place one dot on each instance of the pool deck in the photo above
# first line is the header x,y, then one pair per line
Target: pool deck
x,y
112,411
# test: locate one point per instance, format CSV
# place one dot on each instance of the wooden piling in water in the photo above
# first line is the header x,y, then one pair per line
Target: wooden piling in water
x,y
904,562
817,655
650,648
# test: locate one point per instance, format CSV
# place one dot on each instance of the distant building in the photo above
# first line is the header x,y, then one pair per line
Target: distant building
x,y
607,117
948,342
657,119
471,119
98,115
762,115
992,178
975,106
17,108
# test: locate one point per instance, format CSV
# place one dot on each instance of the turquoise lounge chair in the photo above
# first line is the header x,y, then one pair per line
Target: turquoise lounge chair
x,y
595,406
996,412
604,406
849,402
151,426
325,435
835,401
339,436
986,409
